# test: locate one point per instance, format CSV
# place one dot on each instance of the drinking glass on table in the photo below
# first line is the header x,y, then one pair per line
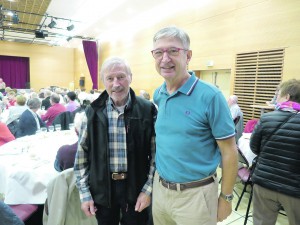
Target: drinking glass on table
x,y
51,128
57,127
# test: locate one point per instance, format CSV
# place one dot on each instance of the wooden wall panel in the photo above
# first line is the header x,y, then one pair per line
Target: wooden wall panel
x,y
218,30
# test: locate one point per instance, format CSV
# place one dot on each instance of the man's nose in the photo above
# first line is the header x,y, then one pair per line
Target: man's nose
x,y
165,57
116,82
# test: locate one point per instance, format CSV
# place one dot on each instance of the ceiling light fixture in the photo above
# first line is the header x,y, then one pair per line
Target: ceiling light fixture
x,y
15,18
71,27
41,34
52,24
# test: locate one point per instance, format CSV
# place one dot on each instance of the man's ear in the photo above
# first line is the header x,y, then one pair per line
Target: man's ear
x,y
189,56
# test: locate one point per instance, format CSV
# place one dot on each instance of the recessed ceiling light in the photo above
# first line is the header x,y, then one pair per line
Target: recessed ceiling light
x,y
9,13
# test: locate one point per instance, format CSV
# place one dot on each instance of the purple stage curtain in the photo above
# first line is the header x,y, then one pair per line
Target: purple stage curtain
x,y
15,71
91,55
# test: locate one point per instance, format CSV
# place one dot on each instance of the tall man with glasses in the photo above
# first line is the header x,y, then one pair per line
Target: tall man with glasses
x,y
114,162
194,134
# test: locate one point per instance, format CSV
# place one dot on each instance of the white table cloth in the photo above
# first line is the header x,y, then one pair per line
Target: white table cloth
x,y
27,165
244,145
4,115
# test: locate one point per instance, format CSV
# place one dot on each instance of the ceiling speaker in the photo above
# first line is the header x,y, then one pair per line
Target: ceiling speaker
x,y
41,34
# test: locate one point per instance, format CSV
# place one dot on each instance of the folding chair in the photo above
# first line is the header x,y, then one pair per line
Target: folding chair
x,y
250,125
244,173
24,211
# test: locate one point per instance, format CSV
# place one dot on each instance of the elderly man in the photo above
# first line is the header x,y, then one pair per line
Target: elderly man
x,y
55,109
29,121
185,188
114,161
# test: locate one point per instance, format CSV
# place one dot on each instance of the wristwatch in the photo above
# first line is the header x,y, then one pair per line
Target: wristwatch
x,y
227,198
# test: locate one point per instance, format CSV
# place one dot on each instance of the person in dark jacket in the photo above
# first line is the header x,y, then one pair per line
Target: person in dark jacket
x,y
114,164
46,104
30,121
276,141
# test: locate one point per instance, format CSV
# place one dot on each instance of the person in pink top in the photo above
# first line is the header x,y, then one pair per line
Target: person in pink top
x,y
55,109
5,134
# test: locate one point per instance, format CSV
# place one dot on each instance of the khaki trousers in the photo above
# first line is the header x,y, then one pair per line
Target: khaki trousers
x,y
193,206
266,205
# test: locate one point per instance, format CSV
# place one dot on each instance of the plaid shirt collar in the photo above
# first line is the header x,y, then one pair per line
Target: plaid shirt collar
x,y
111,105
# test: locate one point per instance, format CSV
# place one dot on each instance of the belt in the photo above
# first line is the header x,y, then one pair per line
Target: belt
x,y
184,186
119,176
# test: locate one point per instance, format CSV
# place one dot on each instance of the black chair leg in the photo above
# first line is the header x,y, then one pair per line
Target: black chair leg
x,y
248,207
240,199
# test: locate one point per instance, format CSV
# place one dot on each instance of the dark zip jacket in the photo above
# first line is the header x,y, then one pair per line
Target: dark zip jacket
x,y
139,121
278,164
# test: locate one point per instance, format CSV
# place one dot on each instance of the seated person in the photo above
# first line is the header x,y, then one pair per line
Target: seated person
x,y
236,114
66,154
72,104
11,96
29,121
144,94
5,134
55,109
46,101
16,111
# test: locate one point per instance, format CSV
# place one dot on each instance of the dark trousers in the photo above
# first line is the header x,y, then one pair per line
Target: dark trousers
x,y
121,211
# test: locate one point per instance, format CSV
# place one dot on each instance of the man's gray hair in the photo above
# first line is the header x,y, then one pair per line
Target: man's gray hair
x,y
34,103
174,32
55,98
234,99
111,62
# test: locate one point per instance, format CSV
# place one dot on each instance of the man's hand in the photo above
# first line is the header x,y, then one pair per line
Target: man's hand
x,y
224,209
142,202
88,208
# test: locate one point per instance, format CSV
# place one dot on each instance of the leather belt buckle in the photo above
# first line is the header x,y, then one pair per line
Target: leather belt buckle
x,y
184,186
118,176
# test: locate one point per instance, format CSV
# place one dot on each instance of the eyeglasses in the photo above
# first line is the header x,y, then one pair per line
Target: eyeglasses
x,y
158,53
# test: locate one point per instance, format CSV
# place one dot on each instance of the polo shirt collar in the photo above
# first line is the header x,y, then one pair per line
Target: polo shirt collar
x,y
187,88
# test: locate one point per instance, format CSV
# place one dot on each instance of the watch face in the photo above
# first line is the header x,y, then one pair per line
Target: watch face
x,y
229,197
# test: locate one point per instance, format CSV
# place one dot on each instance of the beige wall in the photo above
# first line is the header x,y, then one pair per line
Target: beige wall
x,y
218,31
48,65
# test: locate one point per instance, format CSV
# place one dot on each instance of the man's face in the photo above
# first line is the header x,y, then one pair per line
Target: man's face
x,y
171,67
116,82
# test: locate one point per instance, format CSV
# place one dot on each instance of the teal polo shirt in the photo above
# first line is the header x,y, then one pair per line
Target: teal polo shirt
x,y
189,121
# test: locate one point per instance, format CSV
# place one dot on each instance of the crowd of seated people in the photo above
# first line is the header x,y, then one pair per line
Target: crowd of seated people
x,y
52,102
